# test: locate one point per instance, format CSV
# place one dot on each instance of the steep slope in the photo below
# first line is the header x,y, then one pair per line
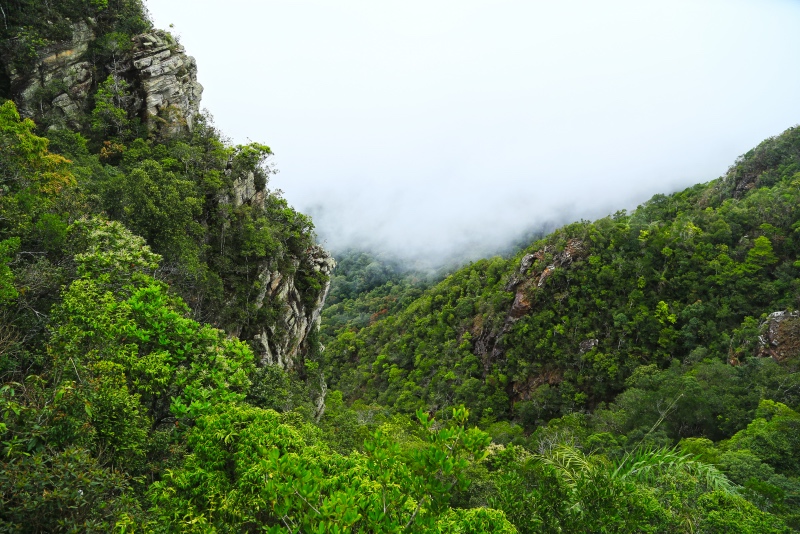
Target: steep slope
x,y
154,292
121,100
53,70
561,326
365,287
122,412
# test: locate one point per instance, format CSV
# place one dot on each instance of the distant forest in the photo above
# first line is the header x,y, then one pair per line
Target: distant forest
x,y
177,356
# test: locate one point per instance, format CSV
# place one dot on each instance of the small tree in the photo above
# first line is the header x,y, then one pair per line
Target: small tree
x,y
761,254
109,117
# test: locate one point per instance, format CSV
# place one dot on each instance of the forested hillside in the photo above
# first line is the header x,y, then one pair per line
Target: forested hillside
x,y
160,360
561,326
672,324
365,287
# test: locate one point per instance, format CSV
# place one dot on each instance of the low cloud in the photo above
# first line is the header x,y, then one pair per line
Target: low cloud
x,y
433,129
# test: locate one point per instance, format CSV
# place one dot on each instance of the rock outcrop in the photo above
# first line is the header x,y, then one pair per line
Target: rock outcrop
x,y
57,90
59,84
245,192
588,344
521,306
283,341
526,277
530,276
780,339
167,80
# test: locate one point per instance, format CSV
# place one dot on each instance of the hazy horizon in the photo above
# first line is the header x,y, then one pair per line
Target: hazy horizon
x,y
428,129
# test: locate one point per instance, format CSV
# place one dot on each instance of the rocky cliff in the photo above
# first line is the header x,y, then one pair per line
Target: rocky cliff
x,y
57,90
281,342
780,338
167,80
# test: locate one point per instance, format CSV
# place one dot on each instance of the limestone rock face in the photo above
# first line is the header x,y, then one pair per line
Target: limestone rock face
x,y
246,192
167,79
57,89
285,340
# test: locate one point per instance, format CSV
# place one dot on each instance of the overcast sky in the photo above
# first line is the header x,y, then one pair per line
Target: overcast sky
x,y
434,127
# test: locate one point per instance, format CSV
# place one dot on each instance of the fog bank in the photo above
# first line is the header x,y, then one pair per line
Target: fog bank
x,y
432,128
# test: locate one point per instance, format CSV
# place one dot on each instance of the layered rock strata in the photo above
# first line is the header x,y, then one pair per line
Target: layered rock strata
x,y
60,82
167,79
57,89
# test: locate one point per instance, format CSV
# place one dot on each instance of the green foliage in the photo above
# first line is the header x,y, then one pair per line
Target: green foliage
x,y
648,321
8,248
773,436
707,398
178,367
564,490
178,194
647,464
110,251
30,25
586,357
411,368
162,208
255,468
30,177
251,158
728,513
474,521
63,492
109,120
111,46
36,188
365,289
682,275
761,254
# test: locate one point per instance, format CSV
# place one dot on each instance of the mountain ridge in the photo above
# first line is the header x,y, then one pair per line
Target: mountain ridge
x,y
699,219
160,350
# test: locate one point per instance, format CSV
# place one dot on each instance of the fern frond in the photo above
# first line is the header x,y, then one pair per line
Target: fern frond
x,y
645,465
569,462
